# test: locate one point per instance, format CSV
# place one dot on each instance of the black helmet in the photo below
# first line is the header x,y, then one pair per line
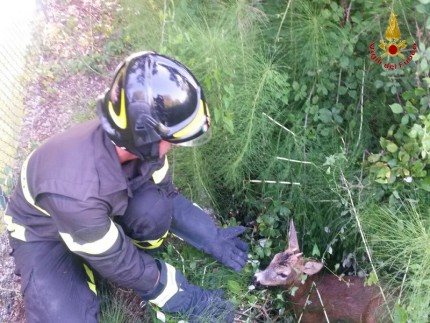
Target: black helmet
x,y
153,98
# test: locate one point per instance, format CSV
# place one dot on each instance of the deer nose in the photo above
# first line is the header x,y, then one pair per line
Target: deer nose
x,y
255,282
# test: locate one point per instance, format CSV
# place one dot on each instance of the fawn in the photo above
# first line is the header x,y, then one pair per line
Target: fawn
x,y
320,298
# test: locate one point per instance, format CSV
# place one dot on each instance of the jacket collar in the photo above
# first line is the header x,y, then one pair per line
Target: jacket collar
x,y
107,164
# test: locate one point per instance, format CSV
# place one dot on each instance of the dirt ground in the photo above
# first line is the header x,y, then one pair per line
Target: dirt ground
x,y
68,71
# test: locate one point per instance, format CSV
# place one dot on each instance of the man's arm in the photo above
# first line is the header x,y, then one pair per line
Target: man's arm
x,y
197,228
87,230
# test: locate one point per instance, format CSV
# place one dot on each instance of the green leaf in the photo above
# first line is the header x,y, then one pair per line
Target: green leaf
x,y
234,287
426,142
325,115
428,23
344,62
392,147
424,65
371,280
379,84
384,172
228,122
284,211
193,265
316,251
342,90
425,184
293,290
416,131
373,158
405,119
404,156
381,181
400,314
419,91
396,108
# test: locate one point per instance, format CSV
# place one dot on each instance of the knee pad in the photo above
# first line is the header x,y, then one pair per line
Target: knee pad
x,y
148,216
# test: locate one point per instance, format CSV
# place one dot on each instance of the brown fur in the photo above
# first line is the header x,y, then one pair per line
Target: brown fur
x,y
345,299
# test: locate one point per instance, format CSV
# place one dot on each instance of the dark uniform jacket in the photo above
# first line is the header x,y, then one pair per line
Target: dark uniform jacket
x,y
70,189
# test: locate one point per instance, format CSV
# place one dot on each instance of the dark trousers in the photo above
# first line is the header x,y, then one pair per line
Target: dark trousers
x,y
54,283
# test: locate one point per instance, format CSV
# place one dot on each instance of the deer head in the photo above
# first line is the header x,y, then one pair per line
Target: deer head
x,y
286,267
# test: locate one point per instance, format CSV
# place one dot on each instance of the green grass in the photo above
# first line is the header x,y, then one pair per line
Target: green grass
x,y
399,239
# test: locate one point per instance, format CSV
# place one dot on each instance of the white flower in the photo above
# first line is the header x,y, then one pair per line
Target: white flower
x,y
408,179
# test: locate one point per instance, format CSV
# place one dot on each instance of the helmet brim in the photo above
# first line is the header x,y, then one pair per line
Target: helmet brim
x,y
199,141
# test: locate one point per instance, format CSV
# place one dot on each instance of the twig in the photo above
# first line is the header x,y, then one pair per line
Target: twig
x,y
338,86
361,174
309,100
295,161
406,19
282,21
283,127
322,304
307,300
163,25
182,258
348,11
404,279
89,66
361,105
204,271
271,182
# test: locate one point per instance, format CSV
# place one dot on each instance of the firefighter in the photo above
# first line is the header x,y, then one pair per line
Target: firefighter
x,y
97,196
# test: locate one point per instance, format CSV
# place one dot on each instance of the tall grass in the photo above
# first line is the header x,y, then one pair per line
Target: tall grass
x,y
294,111
399,240
221,42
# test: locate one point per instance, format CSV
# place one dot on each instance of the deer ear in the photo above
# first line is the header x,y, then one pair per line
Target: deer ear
x,y
312,267
292,238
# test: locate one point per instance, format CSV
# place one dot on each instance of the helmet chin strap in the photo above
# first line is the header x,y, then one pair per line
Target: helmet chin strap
x,y
149,152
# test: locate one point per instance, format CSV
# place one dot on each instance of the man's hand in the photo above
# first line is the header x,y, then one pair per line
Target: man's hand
x,y
228,249
174,294
197,228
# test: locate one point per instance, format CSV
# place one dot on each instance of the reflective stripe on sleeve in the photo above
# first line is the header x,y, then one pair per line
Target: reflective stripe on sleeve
x,y
171,288
17,231
93,248
159,175
25,189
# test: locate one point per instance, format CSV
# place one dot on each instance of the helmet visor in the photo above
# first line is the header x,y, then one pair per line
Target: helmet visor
x,y
197,141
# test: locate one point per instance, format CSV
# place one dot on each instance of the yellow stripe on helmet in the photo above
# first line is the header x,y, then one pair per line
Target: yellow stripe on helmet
x,y
119,119
194,125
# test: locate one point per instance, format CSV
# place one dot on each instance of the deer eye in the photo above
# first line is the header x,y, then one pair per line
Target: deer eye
x,y
283,275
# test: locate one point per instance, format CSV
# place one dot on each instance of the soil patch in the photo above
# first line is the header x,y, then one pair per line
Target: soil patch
x,y
67,69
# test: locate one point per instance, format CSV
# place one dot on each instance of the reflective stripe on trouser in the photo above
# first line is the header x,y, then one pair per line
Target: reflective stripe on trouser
x,y
54,283
150,244
90,278
148,216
